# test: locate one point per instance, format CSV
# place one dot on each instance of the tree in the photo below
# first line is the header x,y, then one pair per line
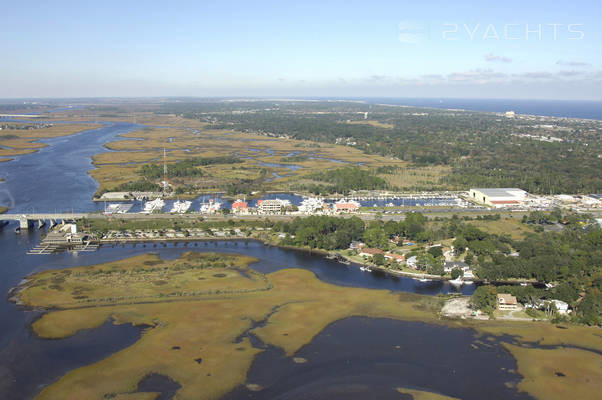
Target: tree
x,y
426,262
456,272
460,245
484,298
378,259
469,258
376,237
436,251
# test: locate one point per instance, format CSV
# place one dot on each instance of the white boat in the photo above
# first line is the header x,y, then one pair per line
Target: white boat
x,y
117,208
153,206
210,208
456,282
390,205
181,207
311,205
468,282
424,279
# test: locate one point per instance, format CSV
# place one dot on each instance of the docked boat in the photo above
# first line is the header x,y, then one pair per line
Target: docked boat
x,y
210,208
153,206
117,208
180,207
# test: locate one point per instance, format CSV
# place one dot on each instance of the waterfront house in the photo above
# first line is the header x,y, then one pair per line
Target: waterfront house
x,y
399,258
449,265
412,262
561,306
506,301
369,252
355,245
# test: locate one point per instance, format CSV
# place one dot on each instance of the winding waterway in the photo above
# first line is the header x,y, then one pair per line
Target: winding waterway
x,y
56,179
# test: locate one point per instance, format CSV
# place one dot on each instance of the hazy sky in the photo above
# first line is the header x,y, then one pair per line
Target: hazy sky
x,y
373,48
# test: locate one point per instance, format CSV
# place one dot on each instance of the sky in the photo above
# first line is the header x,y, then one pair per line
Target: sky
x,y
449,49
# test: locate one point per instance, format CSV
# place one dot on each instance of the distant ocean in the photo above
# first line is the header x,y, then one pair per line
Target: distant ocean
x,y
551,108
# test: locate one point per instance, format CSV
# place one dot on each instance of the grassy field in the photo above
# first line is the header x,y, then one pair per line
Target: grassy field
x,y
411,178
509,225
559,373
372,123
24,141
198,305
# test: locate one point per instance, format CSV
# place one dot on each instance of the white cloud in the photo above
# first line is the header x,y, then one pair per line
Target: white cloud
x,y
572,63
490,57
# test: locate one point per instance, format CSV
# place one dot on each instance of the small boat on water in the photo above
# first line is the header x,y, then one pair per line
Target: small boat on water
x,y
456,282
468,282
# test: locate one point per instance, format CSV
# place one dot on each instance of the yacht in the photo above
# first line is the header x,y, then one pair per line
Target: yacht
x,y
153,206
210,208
180,207
118,208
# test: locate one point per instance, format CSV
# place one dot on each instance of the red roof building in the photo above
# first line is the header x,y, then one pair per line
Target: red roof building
x,y
370,252
240,206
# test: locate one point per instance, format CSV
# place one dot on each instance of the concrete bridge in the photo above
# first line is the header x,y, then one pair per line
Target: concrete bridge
x,y
25,220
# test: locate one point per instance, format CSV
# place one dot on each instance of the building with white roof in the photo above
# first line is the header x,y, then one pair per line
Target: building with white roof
x,y
498,197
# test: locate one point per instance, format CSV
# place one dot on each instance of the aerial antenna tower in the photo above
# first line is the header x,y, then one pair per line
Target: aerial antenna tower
x,y
164,173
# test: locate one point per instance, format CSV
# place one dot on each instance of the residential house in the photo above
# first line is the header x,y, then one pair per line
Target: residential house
x,y
506,301
369,252
399,258
449,265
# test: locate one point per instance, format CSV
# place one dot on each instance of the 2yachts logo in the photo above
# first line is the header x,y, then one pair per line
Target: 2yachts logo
x,y
411,31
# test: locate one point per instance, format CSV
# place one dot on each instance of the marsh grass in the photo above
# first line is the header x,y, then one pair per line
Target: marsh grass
x,y
296,304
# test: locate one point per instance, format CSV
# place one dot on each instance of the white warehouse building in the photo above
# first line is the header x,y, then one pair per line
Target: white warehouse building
x,y
498,197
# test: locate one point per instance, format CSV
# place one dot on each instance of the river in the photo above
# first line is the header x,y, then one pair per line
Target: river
x,y
56,179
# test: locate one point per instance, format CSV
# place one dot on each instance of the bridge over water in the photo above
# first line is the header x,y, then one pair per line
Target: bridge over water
x,y
26,219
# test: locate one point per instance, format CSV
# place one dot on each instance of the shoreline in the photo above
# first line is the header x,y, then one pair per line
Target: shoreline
x,y
320,252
